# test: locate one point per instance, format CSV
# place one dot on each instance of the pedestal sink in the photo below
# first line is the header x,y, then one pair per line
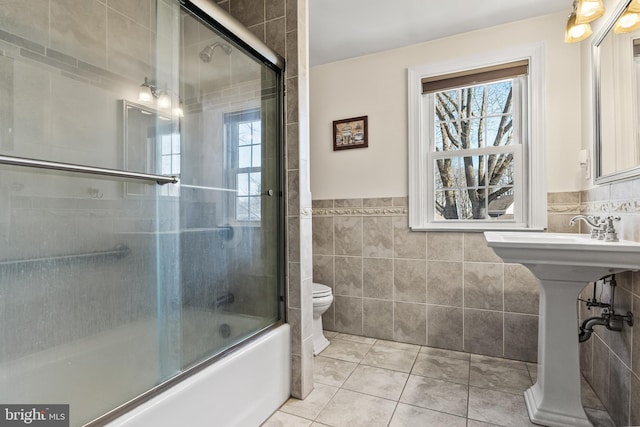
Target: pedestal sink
x,y
563,264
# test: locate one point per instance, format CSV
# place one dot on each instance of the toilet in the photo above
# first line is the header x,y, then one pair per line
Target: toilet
x,y
322,299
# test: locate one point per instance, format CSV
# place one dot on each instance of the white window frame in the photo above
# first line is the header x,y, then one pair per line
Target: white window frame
x,y
532,197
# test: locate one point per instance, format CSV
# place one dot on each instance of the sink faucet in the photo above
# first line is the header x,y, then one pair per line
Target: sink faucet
x,y
601,228
592,221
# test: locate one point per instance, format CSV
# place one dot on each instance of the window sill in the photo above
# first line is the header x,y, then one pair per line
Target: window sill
x,y
476,227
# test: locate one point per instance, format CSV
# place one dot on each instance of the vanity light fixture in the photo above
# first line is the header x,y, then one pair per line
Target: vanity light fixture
x,y
149,91
588,11
576,32
629,21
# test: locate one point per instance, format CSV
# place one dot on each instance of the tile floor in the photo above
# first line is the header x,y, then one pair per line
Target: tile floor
x,y
367,382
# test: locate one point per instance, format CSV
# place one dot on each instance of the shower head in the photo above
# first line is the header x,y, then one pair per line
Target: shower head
x,y
207,52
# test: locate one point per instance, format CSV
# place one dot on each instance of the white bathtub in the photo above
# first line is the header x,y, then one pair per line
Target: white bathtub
x,y
242,389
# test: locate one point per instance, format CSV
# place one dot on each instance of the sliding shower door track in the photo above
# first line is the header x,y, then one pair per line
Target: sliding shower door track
x,y
90,170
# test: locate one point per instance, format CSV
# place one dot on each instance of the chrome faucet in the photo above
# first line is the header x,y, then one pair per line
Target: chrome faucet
x,y
592,221
601,228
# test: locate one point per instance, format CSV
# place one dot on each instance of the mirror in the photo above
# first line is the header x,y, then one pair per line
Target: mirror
x,y
151,141
616,78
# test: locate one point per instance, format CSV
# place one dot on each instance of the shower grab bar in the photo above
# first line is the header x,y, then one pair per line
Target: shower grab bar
x,y
120,251
91,170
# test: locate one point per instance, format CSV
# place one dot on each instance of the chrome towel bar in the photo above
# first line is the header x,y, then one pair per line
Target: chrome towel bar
x,y
91,170
120,251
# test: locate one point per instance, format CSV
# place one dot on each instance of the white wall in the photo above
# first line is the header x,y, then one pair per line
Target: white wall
x,y
375,86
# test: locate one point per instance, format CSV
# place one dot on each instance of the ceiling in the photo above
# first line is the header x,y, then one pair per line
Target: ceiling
x,y
341,29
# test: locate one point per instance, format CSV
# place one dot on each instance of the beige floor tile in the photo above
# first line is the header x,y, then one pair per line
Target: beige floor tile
x,y
329,334
377,382
589,397
356,338
474,423
390,358
497,361
411,348
497,407
600,418
413,416
281,419
311,406
346,350
442,368
500,378
351,409
438,395
445,353
329,371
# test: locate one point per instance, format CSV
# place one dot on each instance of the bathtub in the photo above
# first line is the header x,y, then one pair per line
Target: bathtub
x,y
242,388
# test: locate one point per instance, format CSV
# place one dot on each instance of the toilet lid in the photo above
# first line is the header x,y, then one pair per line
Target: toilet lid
x,y
320,290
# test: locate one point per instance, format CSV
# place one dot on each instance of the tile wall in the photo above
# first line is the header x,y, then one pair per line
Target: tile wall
x,y
442,289
282,25
388,284
611,360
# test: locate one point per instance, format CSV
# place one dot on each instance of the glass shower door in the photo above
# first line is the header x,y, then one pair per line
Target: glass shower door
x,y
111,285
229,192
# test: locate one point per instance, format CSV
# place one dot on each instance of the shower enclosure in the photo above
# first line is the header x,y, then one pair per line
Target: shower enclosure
x,y
141,232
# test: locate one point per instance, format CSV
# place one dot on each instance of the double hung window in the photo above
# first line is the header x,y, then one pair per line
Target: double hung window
x,y
472,165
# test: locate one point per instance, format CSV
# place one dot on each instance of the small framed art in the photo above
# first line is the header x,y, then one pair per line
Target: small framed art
x,y
350,133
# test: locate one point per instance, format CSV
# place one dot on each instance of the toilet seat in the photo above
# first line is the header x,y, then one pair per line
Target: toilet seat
x,y
321,291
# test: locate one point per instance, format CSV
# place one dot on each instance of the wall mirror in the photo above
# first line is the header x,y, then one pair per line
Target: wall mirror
x,y
616,100
151,142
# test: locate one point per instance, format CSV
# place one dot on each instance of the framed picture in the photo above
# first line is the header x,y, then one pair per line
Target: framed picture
x,y
350,133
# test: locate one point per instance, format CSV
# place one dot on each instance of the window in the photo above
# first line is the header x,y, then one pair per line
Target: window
x,y
243,139
475,144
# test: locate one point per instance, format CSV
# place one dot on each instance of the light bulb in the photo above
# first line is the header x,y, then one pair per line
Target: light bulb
x,y
629,21
588,11
164,101
145,94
